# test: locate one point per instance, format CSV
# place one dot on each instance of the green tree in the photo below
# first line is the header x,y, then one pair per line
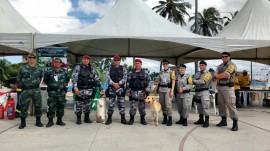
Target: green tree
x,y
173,10
4,65
153,75
209,22
229,19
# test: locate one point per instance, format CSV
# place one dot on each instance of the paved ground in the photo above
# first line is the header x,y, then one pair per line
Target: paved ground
x,y
253,134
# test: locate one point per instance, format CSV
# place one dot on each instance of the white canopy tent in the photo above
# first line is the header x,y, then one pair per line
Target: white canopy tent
x,y
15,32
131,29
247,35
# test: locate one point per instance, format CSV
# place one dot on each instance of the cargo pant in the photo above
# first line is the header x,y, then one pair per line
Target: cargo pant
x,y
165,101
226,100
137,100
183,104
56,103
83,101
205,102
25,99
118,95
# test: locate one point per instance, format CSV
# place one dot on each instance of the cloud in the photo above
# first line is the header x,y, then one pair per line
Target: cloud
x,y
47,15
100,7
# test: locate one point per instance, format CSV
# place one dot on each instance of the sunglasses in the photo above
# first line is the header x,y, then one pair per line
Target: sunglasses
x,y
224,56
31,57
116,60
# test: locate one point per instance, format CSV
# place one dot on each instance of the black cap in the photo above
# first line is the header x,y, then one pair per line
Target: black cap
x,y
203,62
182,65
225,53
165,60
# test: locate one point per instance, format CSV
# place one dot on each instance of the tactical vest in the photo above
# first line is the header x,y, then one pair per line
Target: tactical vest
x,y
31,77
200,76
229,67
86,77
182,82
138,80
116,74
165,78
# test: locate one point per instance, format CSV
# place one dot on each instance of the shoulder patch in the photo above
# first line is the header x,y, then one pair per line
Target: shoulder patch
x,y
207,77
230,68
173,75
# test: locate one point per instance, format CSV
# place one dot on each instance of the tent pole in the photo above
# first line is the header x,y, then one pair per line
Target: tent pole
x,y
251,70
196,17
33,42
128,46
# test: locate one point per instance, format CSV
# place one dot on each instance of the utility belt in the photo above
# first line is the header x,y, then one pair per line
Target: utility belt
x,y
165,86
86,87
55,89
226,84
186,91
202,89
137,89
30,87
121,86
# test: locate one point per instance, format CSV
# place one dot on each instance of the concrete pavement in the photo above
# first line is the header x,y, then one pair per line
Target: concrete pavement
x,y
253,134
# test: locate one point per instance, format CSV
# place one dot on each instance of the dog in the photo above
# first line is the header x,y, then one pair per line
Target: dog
x,y
155,107
101,108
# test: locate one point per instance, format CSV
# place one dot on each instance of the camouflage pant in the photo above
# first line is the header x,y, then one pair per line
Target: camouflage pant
x,y
133,107
25,99
120,103
82,105
56,103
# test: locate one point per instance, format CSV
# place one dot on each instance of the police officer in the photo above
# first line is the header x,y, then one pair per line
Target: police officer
x,y
116,78
29,78
137,90
56,79
84,79
202,80
226,96
183,85
165,87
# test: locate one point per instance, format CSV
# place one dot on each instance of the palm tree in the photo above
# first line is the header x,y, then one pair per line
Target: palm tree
x,y
173,10
209,22
229,19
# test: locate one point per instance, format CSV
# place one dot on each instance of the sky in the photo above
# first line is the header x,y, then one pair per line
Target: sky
x,y
49,16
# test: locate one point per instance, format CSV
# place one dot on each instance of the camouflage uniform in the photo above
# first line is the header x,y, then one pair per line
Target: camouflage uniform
x,y
116,75
57,86
137,82
85,78
29,79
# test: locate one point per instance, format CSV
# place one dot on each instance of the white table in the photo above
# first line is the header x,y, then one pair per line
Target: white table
x,y
259,92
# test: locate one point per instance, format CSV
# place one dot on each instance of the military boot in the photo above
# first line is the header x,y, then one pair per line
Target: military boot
x,y
200,121
79,119
180,121
185,122
169,122
235,125
206,122
86,118
23,123
38,122
109,120
164,119
123,119
50,122
131,121
143,122
223,122
60,121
